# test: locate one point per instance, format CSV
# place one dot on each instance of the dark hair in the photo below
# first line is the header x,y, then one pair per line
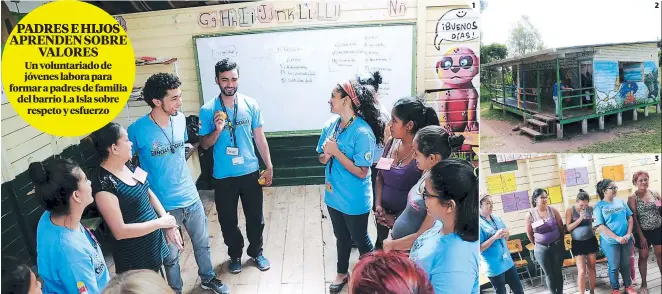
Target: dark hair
x,y
371,79
482,198
456,179
226,64
414,110
105,137
388,273
601,187
367,109
583,196
636,176
54,183
536,194
16,276
157,86
435,140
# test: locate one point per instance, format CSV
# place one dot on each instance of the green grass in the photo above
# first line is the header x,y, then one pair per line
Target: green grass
x,y
497,114
645,138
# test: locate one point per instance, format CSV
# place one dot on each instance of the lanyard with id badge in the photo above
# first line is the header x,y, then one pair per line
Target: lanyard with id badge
x,y
233,150
506,251
336,133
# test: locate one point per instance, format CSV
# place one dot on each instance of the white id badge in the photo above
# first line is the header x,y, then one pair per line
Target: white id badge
x,y
505,255
140,175
232,151
238,160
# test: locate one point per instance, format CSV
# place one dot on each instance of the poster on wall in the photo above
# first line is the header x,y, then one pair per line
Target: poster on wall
x,y
515,201
576,176
498,184
613,172
454,88
576,160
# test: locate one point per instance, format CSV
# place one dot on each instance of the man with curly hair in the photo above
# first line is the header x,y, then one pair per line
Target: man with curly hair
x,y
158,138
230,122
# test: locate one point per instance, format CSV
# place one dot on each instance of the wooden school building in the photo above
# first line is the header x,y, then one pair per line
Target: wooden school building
x,y
290,54
607,80
510,180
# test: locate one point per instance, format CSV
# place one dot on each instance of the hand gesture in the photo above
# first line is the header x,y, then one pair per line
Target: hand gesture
x,y
167,221
267,176
379,211
174,237
331,147
219,120
582,214
500,233
387,245
389,220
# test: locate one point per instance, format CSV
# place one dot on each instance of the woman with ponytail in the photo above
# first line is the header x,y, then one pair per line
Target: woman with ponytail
x,y
398,171
69,257
448,251
347,146
431,144
579,220
374,80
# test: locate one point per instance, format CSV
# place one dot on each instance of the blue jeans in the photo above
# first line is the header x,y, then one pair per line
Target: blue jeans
x,y
618,260
508,277
195,221
550,258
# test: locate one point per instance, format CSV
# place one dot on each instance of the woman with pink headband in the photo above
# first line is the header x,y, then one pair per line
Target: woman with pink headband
x,y
347,147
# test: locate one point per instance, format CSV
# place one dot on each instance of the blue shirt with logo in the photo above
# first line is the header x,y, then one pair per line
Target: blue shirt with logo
x,y
492,259
249,118
69,261
614,215
450,262
167,172
344,191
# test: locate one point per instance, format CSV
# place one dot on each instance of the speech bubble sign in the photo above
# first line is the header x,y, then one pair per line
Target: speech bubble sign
x,y
457,25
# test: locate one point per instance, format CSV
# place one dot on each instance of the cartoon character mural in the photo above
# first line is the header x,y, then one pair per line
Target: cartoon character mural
x,y
457,103
456,68
613,94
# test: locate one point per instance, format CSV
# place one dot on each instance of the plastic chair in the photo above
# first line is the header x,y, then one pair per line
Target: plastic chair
x,y
521,264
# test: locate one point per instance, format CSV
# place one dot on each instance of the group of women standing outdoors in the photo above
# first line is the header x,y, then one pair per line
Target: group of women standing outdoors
x,y
425,203
619,225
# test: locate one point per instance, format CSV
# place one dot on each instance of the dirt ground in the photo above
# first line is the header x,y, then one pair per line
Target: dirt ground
x,y
497,137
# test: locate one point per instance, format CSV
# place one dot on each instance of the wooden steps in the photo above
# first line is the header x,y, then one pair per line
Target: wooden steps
x,y
545,118
539,125
536,122
530,132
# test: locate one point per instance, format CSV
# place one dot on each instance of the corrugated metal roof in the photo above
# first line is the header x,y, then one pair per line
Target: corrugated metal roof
x,y
555,51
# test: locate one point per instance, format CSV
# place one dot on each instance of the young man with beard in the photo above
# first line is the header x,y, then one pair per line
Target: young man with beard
x,y
159,138
229,122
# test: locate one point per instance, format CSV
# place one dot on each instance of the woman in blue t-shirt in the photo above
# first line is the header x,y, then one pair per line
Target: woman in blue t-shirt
x,y
613,219
448,251
69,257
346,147
494,253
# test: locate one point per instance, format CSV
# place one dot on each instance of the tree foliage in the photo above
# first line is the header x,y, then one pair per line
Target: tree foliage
x,y
524,38
490,53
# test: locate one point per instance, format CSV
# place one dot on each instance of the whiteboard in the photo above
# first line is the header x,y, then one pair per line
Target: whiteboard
x,y
291,73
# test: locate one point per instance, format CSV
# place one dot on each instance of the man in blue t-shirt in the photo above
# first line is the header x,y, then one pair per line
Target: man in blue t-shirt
x,y
228,123
158,138
555,94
